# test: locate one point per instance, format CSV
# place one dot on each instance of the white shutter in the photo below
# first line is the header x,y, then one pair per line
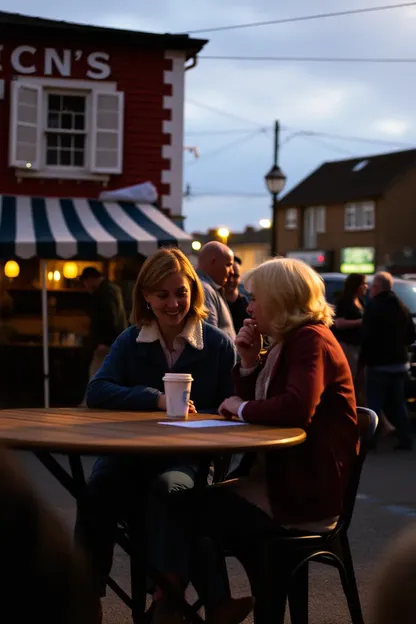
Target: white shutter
x,y
25,125
107,132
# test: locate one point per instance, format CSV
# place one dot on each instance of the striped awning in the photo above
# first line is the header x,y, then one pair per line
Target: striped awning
x,y
83,228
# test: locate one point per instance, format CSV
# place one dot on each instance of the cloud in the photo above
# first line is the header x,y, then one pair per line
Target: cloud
x,y
392,127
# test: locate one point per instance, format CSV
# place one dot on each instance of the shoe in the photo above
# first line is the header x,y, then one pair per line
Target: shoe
x,y
231,611
164,612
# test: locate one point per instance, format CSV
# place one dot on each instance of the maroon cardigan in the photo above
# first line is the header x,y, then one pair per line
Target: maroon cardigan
x,y
310,387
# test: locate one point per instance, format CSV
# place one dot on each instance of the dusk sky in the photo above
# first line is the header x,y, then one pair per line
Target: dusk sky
x,y
235,141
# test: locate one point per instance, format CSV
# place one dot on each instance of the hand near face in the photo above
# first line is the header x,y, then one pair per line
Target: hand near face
x,y
249,343
230,407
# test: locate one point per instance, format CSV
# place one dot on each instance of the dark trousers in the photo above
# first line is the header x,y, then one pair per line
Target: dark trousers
x,y
220,517
132,489
386,393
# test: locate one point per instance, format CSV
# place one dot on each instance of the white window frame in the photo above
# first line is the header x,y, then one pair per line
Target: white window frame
x,y
71,87
57,169
291,219
355,216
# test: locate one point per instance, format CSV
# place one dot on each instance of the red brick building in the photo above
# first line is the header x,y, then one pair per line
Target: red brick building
x,y
85,108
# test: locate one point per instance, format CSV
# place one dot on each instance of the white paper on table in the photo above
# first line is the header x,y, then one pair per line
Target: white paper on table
x,y
200,424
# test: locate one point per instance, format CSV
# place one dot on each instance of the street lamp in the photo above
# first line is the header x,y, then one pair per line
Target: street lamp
x,y
275,182
223,233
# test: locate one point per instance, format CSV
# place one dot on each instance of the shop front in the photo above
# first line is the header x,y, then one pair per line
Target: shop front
x,y
44,245
320,259
358,260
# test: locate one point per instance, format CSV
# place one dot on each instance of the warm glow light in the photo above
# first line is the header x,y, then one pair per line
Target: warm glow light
x,y
70,270
196,245
50,276
11,269
265,223
56,276
28,165
223,232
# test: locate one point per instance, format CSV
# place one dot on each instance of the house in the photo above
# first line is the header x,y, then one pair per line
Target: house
x,y
354,215
251,246
86,108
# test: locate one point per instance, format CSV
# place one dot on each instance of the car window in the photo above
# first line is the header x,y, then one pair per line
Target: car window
x,y
407,294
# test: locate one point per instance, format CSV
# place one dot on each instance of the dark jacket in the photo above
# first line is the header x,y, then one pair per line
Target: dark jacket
x,y
388,330
131,376
310,387
108,317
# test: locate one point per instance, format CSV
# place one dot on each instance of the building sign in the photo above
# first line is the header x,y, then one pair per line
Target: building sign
x,y
22,60
358,260
319,259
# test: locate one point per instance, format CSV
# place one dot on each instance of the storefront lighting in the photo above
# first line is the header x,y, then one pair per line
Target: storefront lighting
x,y
11,269
196,245
70,270
56,276
50,276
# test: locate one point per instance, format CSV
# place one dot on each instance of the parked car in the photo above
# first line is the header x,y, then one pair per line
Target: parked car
x,y
405,289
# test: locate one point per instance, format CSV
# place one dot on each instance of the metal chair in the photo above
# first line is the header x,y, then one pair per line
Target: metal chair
x,y
284,560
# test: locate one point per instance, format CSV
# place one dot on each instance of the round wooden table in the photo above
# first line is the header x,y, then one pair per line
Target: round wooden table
x,y
85,431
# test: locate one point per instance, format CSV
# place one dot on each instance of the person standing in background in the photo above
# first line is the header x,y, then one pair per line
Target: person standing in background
x,y
108,317
348,326
215,265
237,302
388,330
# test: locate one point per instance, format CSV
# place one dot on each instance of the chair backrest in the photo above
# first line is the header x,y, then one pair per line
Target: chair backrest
x,y
367,425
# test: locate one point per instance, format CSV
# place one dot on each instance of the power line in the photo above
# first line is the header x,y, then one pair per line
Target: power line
x,y
221,132
222,148
304,18
354,139
308,59
327,145
222,112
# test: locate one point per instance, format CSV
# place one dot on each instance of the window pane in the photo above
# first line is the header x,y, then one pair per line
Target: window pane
x,y
53,120
65,140
107,121
79,122
51,140
54,102
66,121
79,141
74,103
78,158
51,157
65,158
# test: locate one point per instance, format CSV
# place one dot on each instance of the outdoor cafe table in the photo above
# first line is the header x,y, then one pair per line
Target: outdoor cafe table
x,y
80,431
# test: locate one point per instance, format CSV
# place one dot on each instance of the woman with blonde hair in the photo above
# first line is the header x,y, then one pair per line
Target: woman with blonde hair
x,y
169,334
302,381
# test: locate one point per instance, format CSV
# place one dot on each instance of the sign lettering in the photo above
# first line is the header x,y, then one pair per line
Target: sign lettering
x,y
59,62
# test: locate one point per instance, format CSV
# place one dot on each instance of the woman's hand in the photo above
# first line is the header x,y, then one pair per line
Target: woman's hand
x,y
230,407
161,404
249,343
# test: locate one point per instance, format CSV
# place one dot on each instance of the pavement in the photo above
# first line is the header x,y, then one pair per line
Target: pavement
x,y
386,504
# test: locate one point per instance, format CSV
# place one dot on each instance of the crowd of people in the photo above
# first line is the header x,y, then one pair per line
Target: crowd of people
x,y
277,358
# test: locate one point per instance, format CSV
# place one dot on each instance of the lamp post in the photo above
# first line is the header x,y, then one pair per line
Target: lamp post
x,y
275,181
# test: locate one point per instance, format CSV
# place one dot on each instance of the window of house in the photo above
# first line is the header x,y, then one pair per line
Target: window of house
x,y
76,131
359,216
320,212
291,218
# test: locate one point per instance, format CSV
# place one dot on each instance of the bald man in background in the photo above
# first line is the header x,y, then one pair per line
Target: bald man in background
x,y
215,265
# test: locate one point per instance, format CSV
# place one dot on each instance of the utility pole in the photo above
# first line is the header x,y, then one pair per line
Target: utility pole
x,y
274,195
275,181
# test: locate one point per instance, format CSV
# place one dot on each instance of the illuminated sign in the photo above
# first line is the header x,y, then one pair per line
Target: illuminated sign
x,y
358,260
317,258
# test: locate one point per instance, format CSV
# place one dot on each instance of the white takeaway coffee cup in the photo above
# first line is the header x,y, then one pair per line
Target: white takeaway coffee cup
x,y
177,391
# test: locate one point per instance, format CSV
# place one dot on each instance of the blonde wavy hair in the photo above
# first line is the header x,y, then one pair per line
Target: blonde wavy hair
x,y
156,268
292,294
